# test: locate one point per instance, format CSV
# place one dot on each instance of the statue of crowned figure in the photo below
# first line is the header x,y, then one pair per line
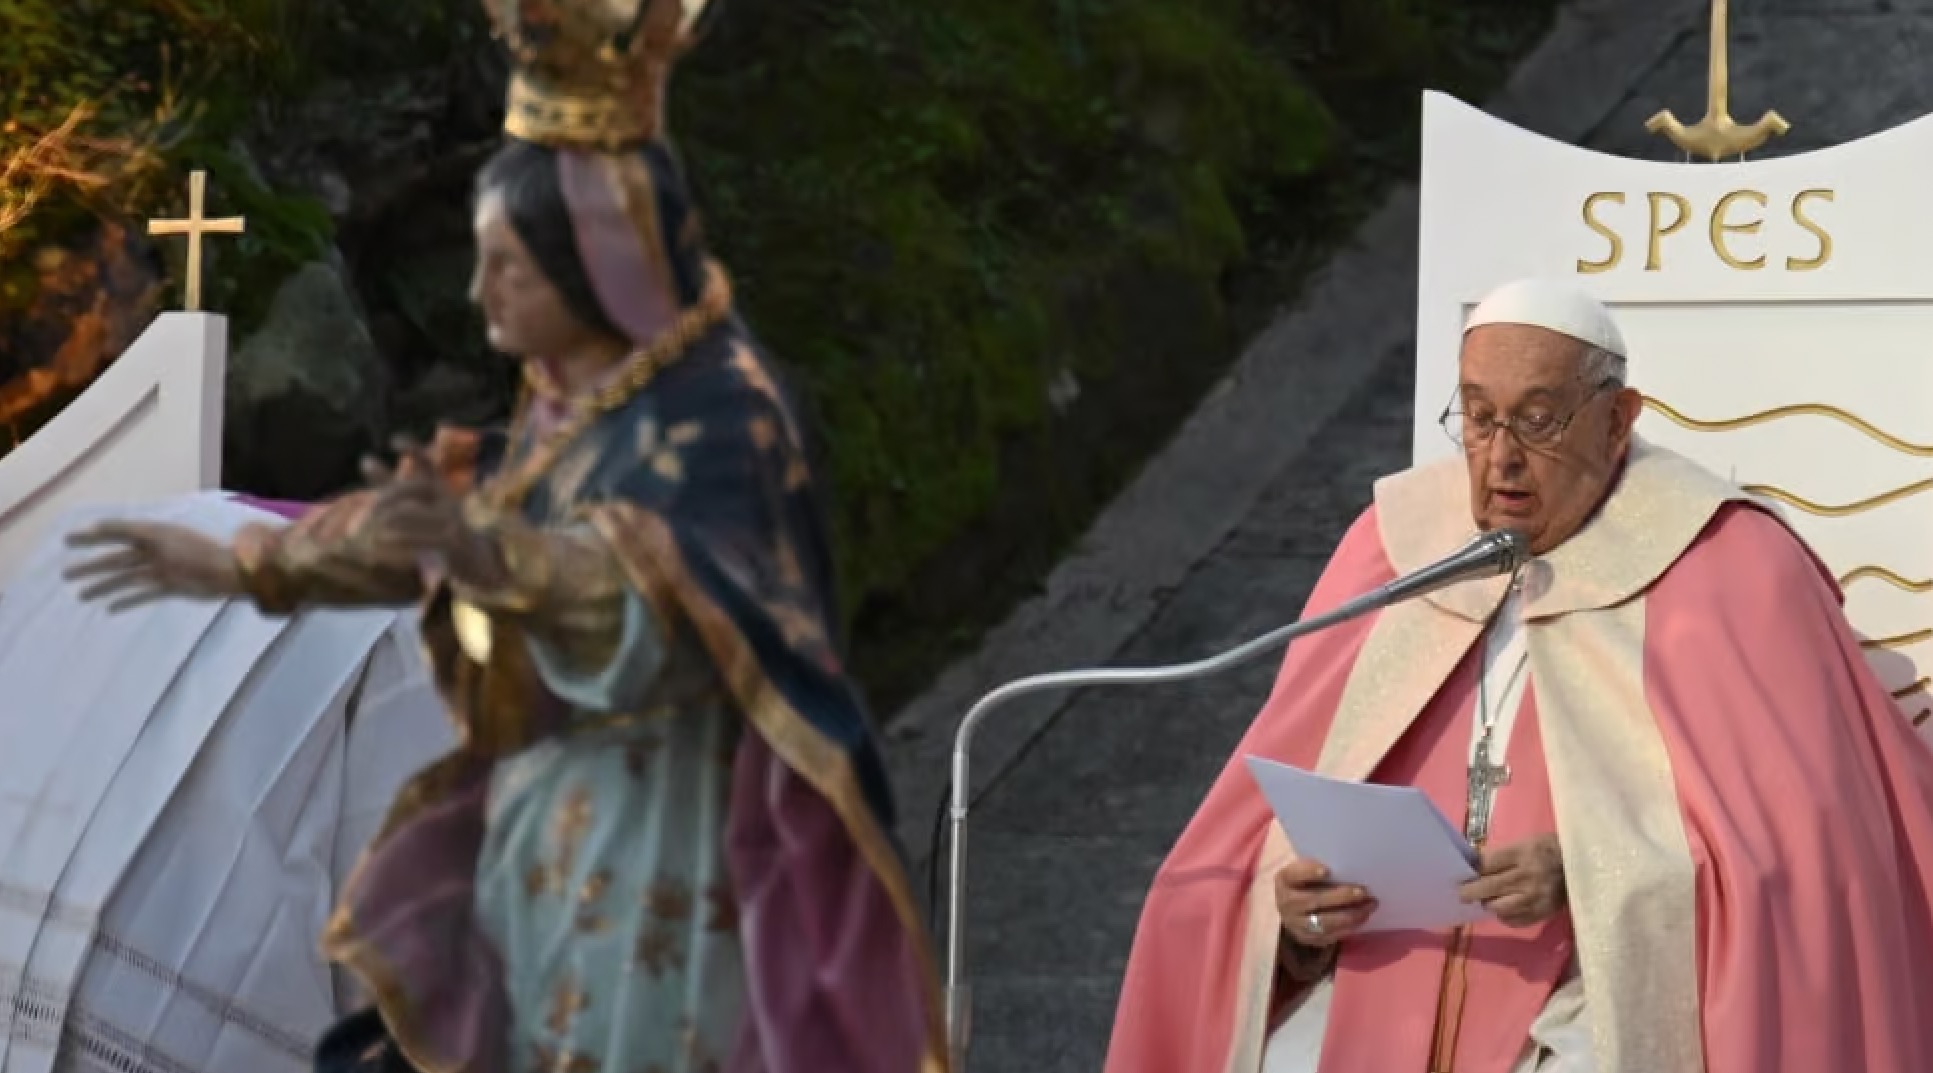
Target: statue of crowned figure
x,y
624,812
1682,739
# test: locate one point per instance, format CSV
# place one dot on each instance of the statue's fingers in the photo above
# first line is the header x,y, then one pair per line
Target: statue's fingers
x,y
376,471
102,534
412,455
409,510
114,584
108,563
416,464
139,598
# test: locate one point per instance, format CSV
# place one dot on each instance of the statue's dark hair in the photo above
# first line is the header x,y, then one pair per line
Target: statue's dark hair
x,y
526,176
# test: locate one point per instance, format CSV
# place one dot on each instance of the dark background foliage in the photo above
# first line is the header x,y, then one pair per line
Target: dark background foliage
x,y
1003,245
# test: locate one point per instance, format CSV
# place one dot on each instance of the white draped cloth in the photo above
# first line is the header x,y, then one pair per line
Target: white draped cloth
x,y
183,790
1560,1038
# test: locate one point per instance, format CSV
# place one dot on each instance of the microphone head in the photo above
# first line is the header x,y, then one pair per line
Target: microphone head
x,y
1511,547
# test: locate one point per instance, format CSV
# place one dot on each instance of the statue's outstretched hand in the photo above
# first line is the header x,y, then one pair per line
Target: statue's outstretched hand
x,y
412,460
419,515
137,563
450,457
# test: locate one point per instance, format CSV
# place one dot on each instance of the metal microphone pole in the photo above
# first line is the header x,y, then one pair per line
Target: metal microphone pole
x,y
957,998
1495,552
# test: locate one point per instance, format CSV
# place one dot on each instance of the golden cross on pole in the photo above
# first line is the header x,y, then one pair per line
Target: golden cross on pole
x,y
1718,136
194,227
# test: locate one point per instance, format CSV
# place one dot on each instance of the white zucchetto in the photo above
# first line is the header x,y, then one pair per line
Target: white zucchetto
x,y
1560,307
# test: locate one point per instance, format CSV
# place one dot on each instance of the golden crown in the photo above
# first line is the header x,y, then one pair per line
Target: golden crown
x,y
591,74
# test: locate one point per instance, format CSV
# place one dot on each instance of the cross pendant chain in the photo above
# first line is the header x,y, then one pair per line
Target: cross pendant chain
x,y
1486,778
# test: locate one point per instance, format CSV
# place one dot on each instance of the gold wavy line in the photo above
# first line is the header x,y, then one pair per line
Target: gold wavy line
x,y
1923,717
1916,687
1801,409
1827,510
1901,641
1880,573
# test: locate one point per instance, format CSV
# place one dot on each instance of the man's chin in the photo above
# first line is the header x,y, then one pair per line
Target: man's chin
x,y
1522,521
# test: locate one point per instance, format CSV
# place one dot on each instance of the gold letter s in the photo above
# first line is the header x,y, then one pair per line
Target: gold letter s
x,y
1591,221
1794,264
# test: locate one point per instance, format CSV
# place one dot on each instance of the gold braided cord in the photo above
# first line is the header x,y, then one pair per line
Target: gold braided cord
x,y
508,490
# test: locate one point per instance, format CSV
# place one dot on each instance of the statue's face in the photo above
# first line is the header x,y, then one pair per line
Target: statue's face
x,y
1578,431
523,311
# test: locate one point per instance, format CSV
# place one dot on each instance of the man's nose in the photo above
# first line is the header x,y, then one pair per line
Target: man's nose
x,y
1505,453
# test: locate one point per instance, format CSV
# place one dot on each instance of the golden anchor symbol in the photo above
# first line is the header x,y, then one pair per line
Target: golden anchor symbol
x,y
1718,136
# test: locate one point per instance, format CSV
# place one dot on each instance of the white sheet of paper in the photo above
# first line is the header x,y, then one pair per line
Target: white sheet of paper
x,y
1390,840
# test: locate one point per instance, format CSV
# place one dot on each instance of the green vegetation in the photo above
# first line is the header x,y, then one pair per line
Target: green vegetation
x,y
939,213
169,82
911,222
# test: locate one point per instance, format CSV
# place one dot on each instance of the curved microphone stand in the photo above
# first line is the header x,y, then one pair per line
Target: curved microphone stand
x,y
1498,551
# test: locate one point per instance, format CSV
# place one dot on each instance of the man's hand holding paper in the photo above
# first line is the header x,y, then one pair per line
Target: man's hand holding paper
x,y
1316,911
1521,884
1388,842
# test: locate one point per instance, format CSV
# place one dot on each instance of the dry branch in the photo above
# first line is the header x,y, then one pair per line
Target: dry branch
x,y
34,165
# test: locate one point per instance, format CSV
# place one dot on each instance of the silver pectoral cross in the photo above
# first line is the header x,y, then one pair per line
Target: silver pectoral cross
x,y
1486,778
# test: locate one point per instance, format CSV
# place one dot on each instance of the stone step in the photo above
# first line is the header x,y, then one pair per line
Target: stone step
x,y
1045,904
1042,1024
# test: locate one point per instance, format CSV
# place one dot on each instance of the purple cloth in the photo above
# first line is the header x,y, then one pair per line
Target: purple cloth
x,y
285,508
412,904
614,215
816,926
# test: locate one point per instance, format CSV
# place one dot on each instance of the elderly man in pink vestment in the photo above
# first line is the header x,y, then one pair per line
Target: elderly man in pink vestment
x,y
1712,845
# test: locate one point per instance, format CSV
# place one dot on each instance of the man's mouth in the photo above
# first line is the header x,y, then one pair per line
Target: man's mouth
x,y
1512,500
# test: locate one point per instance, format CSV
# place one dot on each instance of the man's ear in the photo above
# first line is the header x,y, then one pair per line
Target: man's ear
x,y
1625,408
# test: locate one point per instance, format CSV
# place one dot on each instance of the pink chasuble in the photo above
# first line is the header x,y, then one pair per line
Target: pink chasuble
x,y
1808,803
1183,977
1746,815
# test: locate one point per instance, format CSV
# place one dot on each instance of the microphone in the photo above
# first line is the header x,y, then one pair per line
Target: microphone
x,y
1497,551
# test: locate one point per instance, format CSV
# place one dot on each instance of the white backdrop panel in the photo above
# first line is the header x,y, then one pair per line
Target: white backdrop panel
x,y
1779,315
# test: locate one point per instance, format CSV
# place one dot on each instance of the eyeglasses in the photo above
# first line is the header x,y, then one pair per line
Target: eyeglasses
x,y
1534,431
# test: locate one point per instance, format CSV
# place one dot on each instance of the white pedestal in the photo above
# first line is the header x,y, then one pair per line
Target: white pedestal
x,y
148,429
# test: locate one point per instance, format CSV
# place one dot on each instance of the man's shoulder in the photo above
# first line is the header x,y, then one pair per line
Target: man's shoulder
x,y
1422,513
1750,541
